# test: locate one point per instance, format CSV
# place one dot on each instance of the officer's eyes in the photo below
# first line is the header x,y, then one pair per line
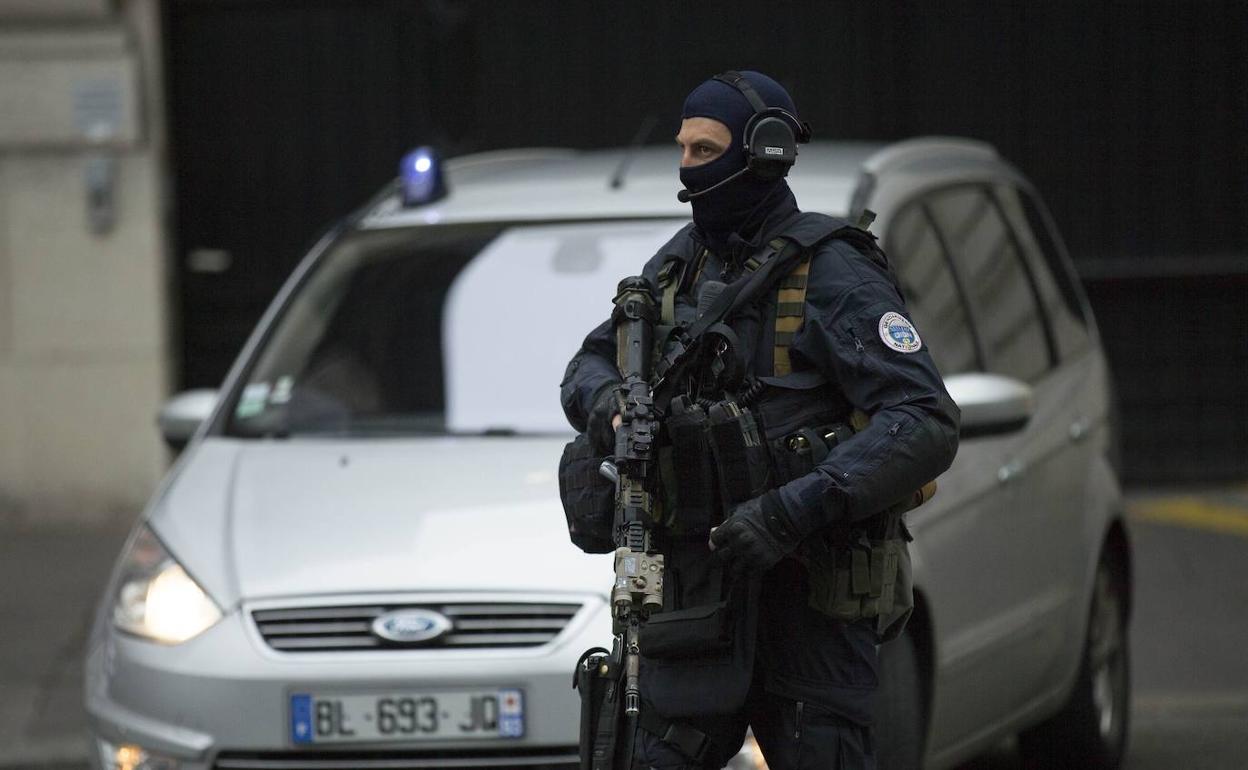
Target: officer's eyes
x,y
700,150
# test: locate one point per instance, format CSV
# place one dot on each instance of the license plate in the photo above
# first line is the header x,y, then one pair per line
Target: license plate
x,y
406,716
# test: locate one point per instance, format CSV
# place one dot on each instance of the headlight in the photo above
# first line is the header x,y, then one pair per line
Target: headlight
x,y
156,598
131,757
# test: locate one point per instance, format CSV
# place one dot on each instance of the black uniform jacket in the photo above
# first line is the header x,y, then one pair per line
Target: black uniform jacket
x,y
857,335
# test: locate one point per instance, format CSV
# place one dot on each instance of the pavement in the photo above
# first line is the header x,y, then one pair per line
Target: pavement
x,y
1189,709
50,579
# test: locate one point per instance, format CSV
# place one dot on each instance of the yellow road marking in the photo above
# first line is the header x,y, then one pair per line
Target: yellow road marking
x,y
1194,512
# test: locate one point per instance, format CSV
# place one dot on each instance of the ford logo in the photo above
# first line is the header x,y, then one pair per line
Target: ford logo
x,y
410,626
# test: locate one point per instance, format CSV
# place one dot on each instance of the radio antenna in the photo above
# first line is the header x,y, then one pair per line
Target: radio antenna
x,y
643,134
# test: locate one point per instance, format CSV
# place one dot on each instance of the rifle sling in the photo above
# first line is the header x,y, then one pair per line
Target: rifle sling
x,y
737,294
746,288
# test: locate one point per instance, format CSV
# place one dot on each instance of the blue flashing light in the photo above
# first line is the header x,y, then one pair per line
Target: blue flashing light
x,y
420,174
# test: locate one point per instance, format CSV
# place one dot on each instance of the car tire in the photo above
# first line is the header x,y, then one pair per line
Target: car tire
x,y
900,722
1091,729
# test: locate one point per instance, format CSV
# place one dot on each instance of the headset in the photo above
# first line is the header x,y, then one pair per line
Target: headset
x,y
771,136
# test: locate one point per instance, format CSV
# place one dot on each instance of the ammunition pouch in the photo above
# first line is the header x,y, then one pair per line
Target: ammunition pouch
x,y
740,454
686,471
716,458
588,497
863,573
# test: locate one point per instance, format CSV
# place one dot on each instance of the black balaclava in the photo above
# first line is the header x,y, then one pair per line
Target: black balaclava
x,y
740,205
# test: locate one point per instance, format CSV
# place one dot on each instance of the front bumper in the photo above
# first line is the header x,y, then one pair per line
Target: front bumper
x,y
223,699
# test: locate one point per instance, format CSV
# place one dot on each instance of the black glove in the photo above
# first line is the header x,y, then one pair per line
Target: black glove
x,y
598,426
758,534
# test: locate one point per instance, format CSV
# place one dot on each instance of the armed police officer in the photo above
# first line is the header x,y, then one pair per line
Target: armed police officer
x,y
801,414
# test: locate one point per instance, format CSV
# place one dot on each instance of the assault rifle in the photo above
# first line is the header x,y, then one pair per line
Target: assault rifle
x,y
638,587
609,681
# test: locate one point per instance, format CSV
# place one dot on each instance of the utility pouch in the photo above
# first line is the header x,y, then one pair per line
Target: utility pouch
x,y
740,454
711,682
588,497
696,632
689,479
863,577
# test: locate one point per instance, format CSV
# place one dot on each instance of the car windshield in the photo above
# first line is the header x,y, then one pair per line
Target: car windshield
x,y
438,329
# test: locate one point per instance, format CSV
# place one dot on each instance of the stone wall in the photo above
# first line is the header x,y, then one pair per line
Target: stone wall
x,y
84,349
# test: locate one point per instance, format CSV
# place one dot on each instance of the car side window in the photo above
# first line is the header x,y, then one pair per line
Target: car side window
x,y
931,291
1007,319
1056,286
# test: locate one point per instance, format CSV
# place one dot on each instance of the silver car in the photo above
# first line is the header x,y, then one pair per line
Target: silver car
x,y
359,559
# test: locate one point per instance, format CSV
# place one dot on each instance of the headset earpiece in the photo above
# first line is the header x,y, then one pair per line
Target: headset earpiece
x,y
771,135
771,148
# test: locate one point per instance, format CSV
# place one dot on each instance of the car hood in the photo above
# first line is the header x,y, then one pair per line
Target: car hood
x,y
261,519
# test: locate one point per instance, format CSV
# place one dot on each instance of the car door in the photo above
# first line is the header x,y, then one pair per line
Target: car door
x,y
965,560
1010,651
1071,431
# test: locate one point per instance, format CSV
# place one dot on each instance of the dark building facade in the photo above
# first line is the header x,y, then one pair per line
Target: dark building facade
x,y
1129,117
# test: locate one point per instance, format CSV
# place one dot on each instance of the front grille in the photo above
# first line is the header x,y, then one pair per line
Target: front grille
x,y
557,758
473,625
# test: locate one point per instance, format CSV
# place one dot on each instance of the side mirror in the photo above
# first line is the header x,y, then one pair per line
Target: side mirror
x,y
182,415
991,404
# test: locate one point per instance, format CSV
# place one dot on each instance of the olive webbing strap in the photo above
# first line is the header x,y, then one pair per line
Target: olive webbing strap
x,y
673,277
670,277
701,263
747,287
790,306
790,309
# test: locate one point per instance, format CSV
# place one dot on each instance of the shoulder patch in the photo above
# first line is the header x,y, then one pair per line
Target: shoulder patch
x,y
899,334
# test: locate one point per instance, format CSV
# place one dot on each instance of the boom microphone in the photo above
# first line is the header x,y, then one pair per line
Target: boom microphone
x,y
684,196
